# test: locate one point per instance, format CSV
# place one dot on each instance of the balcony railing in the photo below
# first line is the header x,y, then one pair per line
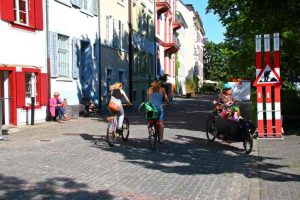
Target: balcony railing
x,y
171,43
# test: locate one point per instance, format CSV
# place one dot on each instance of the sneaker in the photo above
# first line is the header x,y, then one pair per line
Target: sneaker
x,y
161,141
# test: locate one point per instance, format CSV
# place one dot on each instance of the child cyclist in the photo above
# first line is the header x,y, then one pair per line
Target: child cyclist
x,y
225,102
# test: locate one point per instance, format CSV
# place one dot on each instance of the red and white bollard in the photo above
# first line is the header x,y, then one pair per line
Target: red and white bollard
x,y
268,82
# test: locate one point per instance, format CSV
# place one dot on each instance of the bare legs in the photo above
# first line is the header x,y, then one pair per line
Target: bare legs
x,y
161,129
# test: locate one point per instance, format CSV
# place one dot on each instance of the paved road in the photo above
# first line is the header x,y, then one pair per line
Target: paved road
x,y
73,161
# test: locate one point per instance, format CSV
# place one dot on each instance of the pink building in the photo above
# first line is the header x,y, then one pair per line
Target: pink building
x,y
167,42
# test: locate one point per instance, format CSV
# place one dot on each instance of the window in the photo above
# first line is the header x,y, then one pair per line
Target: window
x,y
136,60
143,63
28,85
23,14
108,79
21,11
150,64
115,38
86,6
63,56
120,33
121,76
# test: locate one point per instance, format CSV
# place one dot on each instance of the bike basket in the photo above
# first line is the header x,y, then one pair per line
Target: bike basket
x,y
151,111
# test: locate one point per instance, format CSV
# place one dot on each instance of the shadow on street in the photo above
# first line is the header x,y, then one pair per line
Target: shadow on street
x,y
53,188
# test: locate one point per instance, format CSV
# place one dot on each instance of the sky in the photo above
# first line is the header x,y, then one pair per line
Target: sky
x,y
212,27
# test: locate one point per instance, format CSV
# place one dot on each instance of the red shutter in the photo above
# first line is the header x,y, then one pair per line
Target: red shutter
x,y
39,14
31,10
7,10
20,80
44,89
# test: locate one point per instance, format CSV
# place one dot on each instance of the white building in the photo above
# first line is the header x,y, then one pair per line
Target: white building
x,y
23,54
74,49
190,55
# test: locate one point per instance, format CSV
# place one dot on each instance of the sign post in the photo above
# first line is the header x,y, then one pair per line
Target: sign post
x,y
268,84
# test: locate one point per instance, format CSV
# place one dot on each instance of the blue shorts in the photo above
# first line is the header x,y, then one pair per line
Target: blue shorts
x,y
160,112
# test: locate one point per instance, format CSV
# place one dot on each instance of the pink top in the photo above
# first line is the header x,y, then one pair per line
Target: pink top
x,y
53,102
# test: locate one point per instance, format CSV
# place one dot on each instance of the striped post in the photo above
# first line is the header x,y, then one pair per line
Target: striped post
x,y
268,88
260,115
277,107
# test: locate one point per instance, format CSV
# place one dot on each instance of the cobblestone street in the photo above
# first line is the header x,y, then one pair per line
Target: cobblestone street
x,y
72,160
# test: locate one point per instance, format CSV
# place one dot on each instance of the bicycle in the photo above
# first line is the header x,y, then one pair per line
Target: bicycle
x,y
112,134
153,131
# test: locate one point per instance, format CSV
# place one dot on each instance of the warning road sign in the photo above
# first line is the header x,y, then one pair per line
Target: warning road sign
x,y
267,76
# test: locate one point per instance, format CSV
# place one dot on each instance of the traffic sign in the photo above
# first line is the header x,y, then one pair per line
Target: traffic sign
x,y
267,76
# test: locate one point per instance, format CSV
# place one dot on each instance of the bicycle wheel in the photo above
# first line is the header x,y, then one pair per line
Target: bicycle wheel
x,y
152,137
211,130
111,134
248,143
125,129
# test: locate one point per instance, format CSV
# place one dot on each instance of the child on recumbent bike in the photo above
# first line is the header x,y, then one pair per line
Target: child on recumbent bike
x,y
225,105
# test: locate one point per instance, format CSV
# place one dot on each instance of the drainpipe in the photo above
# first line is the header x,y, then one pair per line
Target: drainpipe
x,y
130,48
99,59
47,49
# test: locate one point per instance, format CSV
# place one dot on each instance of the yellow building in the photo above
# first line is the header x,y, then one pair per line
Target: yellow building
x,y
114,32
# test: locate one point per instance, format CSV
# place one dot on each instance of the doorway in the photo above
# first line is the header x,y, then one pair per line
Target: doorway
x,y
4,96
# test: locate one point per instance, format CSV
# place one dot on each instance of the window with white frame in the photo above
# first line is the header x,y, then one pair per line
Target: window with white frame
x,y
87,6
21,11
63,56
28,88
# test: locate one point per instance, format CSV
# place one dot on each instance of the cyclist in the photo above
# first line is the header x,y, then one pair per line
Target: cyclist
x,y
225,103
156,95
117,92
226,96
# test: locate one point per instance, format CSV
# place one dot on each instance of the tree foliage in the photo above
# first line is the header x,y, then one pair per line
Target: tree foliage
x,y
245,19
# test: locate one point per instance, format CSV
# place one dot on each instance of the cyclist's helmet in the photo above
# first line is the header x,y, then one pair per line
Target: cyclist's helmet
x,y
227,86
235,109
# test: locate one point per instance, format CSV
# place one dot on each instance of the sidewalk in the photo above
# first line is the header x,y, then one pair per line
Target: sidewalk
x,y
72,160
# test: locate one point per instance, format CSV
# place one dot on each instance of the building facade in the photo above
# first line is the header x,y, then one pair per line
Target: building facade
x,y
167,43
114,32
190,55
73,50
23,58
143,47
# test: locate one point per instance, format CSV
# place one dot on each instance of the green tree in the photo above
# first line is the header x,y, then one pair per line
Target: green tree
x,y
215,62
245,19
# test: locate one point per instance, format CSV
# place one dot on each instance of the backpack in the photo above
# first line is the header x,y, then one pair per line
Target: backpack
x,y
151,111
117,94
